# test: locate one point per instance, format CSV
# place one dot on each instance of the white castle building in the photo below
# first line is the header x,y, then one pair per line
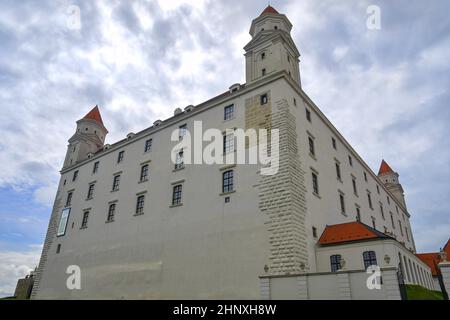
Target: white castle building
x,y
139,226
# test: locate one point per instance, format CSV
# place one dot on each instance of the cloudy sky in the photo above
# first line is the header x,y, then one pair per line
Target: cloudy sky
x,y
386,90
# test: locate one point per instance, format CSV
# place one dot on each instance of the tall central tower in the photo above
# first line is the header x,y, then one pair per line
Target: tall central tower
x,y
271,48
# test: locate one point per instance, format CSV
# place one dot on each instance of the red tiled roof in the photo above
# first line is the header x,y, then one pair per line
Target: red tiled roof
x,y
94,114
351,231
269,9
432,260
384,168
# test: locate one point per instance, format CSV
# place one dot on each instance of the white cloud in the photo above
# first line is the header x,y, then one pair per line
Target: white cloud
x,y
15,265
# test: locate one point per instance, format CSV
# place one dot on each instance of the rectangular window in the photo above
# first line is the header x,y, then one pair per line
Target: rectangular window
x,y
374,224
63,222
338,171
120,156
111,212
176,196
182,131
308,114
369,199
179,161
400,226
365,176
358,214
263,99
228,143
350,161
314,232
342,203
378,189
382,211
263,72
75,176
95,168
69,199
58,248
116,183
315,183
396,209
388,200
140,204
312,150
228,112
335,261
84,222
144,173
406,232
370,259
392,220
148,145
263,56
227,181
355,190
333,142
90,194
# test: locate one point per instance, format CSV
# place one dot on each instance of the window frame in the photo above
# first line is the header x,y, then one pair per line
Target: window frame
x,y
369,257
177,194
148,145
335,262
140,204
228,181
227,114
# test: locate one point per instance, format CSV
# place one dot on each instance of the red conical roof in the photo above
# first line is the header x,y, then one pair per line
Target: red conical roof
x,y
384,168
269,9
94,114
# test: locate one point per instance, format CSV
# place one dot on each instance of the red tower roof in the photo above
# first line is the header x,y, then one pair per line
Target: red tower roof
x,y
94,114
269,9
384,168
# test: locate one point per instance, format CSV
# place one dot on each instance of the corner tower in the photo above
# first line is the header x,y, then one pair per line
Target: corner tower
x,y
271,48
391,181
88,139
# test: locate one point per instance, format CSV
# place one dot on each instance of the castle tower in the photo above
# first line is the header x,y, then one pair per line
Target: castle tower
x,y
88,139
390,180
271,48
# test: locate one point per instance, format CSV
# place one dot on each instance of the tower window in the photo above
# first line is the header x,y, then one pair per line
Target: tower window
x,y
58,248
314,232
116,182
263,99
315,183
263,72
350,161
342,203
275,27
69,199
308,115
120,156
392,220
382,211
369,199
263,56
144,173
95,168
228,112
378,189
338,171
355,190
84,222
148,145
374,224
333,143
90,194
365,176
140,204
75,176
179,161
176,196
288,58
111,212
227,181
358,214
312,150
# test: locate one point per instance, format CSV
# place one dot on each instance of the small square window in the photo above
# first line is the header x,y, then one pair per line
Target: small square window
x,y
263,99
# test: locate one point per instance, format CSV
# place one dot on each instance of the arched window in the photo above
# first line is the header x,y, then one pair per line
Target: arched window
x,y
370,259
335,261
